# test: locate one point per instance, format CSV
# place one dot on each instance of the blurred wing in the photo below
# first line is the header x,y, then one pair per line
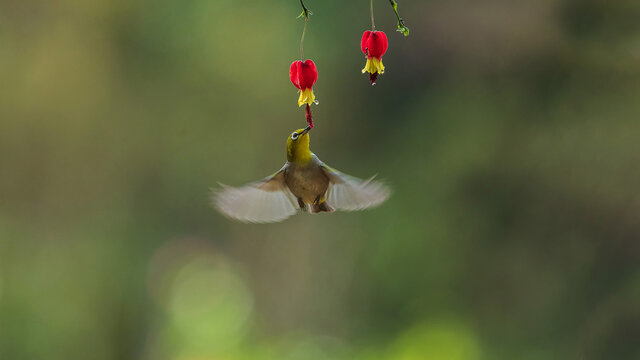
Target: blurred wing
x,y
349,193
268,200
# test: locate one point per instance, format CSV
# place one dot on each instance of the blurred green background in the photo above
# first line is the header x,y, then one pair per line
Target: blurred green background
x,y
509,131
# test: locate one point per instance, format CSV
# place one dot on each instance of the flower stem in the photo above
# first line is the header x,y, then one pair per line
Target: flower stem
x,y
373,24
305,12
304,30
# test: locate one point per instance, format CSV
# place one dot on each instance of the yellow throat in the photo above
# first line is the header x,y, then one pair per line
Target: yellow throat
x,y
298,149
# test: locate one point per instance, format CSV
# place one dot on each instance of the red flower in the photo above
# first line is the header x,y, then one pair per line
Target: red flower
x,y
374,44
303,75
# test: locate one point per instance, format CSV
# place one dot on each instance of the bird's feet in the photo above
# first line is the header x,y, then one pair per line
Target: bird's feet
x,y
302,205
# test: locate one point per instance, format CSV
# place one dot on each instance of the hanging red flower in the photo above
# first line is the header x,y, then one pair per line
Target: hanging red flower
x,y
303,75
374,44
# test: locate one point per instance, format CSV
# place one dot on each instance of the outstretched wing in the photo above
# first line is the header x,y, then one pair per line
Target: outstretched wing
x,y
267,200
349,193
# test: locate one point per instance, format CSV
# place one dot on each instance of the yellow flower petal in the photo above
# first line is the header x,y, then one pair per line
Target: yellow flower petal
x,y
373,66
306,97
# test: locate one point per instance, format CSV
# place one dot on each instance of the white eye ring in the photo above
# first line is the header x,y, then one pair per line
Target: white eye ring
x,y
294,136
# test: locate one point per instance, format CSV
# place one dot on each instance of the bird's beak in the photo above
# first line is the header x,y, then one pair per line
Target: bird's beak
x,y
306,130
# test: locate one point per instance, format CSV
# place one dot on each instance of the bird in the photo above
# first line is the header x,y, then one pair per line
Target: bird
x,y
304,183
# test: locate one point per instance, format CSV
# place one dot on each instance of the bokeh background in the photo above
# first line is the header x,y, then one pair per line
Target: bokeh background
x,y
508,130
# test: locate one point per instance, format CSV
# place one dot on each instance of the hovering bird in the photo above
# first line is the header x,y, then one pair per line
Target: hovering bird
x,y
304,183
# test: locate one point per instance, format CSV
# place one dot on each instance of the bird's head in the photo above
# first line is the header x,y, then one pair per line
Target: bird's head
x,y
298,146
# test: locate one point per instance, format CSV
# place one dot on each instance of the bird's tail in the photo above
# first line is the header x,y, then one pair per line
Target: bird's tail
x,y
320,207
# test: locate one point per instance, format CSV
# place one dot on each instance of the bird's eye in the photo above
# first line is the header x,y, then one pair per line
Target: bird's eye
x,y
294,136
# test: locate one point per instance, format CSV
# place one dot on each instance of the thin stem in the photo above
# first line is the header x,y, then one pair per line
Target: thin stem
x,y
373,24
304,30
305,13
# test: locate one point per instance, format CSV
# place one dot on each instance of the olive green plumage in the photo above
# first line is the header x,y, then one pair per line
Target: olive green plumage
x,y
305,183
